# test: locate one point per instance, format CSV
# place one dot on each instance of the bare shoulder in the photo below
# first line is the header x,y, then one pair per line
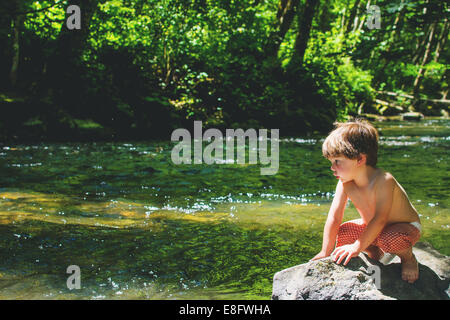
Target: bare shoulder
x,y
386,176
385,180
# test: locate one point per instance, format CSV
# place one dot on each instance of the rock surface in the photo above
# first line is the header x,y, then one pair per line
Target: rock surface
x,y
326,280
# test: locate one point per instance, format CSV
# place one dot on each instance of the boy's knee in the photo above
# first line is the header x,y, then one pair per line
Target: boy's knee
x,y
348,232
344,229
351,227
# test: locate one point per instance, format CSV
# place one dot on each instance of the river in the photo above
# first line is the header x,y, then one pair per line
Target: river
x,y
140,227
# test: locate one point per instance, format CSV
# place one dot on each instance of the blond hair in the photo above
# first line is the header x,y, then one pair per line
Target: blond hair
x,y
351,139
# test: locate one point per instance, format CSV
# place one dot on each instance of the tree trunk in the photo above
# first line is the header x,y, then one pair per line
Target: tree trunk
x,y
363,19
70,45
342,23
285,16
420,45
425,59
351,19
304,22
397,26
17,24
392,39
441,40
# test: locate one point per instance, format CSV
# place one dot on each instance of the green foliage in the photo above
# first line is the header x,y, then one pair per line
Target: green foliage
x,y
46,25
209,60
340,80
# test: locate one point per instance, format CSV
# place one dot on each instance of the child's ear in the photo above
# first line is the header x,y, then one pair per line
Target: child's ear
x,y
362,159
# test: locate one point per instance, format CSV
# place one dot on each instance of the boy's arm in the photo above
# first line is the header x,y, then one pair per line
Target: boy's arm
x,y
334,219
384,196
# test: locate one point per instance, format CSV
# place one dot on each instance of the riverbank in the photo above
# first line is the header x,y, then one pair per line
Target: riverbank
x,y
26,120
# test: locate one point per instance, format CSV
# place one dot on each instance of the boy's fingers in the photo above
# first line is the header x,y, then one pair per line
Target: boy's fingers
x,y
348,259
338,252
342,257
335,255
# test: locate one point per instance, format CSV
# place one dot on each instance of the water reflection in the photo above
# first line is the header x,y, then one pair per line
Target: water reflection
x,y
140,227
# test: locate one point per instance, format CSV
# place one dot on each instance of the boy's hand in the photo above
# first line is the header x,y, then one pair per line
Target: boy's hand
x,y
349,251
320,255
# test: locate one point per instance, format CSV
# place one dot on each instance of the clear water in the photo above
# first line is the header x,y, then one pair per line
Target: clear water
x,y
140,227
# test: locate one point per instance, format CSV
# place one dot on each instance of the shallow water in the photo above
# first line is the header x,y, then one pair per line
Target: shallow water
x,y
140,227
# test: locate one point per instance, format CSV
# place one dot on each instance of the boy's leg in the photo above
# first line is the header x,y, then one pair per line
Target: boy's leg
x,y
350,231
410,267
398,238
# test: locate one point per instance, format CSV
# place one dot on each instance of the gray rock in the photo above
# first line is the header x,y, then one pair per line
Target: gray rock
x,y
325,280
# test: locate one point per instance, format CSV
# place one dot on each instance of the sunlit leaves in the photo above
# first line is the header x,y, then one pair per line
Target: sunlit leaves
x,y
45,24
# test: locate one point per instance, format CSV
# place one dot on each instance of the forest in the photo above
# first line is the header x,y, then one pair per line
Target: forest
x,y
140,69
94,93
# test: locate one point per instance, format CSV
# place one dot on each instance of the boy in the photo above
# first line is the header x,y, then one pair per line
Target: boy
x,y
389,223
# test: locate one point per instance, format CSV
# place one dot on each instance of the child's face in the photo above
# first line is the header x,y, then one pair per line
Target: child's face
x,y
343,168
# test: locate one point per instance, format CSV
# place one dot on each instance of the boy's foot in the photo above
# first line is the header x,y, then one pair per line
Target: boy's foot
x,y
410,269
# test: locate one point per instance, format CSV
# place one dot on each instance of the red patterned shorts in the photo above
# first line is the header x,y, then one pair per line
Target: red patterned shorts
x,y
393,238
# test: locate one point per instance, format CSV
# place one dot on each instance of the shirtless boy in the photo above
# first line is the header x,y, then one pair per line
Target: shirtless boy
x,y
389,223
